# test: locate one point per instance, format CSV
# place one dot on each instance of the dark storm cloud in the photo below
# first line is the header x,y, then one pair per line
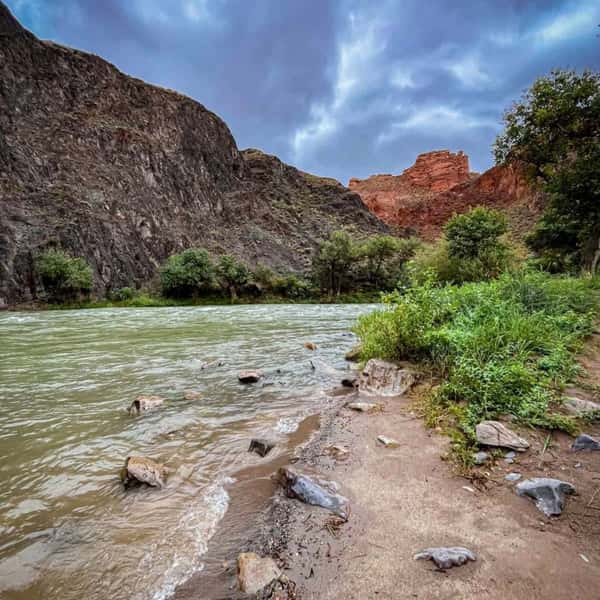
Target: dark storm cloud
x,y
342,88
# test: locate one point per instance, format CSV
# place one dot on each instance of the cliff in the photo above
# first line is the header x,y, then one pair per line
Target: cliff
x,y
124,174
426,195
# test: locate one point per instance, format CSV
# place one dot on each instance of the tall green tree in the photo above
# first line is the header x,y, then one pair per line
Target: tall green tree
x,y
232,275
187,274
384,257
555,130
333,263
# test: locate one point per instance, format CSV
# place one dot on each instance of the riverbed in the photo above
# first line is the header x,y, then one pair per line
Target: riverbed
x,y
67,526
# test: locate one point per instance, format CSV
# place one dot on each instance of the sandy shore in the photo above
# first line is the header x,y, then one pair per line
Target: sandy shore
x,y
408,498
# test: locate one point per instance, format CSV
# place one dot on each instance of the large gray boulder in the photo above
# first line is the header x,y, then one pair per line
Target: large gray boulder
x,y
549,494
255,572
446,558
579,407
382,378
585,442
494,433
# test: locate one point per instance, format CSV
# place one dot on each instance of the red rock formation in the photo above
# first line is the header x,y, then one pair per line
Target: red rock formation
x,y
421,202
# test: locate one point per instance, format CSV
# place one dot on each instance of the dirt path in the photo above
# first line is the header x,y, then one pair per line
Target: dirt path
x,y
406,499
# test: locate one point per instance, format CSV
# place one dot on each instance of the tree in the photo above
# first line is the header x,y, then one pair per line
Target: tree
x,y
555,131
187,274
332,264
63,277
232,275
385,257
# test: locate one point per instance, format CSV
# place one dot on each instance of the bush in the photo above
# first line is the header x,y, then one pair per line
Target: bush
x,y
63,277
124,294
232,275
187,274
292,286
504,346
264,277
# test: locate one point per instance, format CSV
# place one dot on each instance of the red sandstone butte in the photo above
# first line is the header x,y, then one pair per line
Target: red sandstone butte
x,y
438,185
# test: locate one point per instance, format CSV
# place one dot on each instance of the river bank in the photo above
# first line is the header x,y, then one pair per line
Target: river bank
x,y
409,498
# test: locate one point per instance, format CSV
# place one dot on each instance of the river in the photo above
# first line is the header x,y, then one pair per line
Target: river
x,y
68,529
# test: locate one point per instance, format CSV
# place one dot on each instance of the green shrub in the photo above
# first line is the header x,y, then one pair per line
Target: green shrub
x,y
503,346
291,286
63,277
232,275
264,277
187,274
124,294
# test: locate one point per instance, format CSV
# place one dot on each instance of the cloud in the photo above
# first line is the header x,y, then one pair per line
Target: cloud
x,y
469,72
577,19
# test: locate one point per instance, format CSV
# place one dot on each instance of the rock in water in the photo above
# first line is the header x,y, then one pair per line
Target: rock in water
x,y
366,407
585,442
261,447
388,442
143,470
446,558
354,353
385,379
306,490
494,433
350,382
191,395
310,346
143,403
549,494
249,376
254,572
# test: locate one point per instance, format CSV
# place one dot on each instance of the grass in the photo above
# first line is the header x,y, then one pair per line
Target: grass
x,y
499,347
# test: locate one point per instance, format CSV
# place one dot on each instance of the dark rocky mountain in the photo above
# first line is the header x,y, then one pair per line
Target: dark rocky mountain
x,y
124,174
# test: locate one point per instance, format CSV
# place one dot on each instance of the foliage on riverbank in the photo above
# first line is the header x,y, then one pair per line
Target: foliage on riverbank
x,y
500,347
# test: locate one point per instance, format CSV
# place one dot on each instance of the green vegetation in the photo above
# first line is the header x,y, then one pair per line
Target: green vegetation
x,y
333,263
64,278
555,131
232,275
188,274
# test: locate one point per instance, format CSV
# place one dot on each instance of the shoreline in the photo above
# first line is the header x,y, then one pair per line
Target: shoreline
x,y
408,498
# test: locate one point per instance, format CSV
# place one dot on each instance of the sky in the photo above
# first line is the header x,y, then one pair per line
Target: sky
x,y
340,88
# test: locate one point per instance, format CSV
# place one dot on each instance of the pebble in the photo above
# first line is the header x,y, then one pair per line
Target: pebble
x,y
387,441
513,476
480,457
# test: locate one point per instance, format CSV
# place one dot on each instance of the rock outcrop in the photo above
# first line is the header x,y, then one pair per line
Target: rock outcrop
x,y
124,174
425,196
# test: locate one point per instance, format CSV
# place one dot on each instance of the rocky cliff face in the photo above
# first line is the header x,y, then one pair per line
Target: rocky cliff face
x,y
426,195
124,174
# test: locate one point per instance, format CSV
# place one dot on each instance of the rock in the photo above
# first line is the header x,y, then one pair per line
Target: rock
x,y
549,494
191,395
350,382
510,455
279,589
338,452
578,406
254,572
353,354
383,378
494,433
211,364
143,470
480,457
513,476
446,558
306,490
367,407
261,447
387,441
249,376
310,346
144,403
585,442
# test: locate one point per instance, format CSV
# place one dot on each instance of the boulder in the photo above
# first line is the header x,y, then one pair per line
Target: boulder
x,y
579,407
549,494
249,376
310,346
143,470
255,572
446,558
144,403
350,382
383,378
387,441
494,433
191,395
261,447
306,490
585,442
353,354
366,407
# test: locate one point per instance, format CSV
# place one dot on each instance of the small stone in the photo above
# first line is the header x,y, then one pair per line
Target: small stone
x,y
310,346
350,382
191,395
366,407
578,406
584,558
585,442
479,458
353,354
382,378
494,433
261,447
446,558
145,403
468,489
249,376
513,476
254,572
143,470
549,494
338,452
577,465
388,442
510,455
